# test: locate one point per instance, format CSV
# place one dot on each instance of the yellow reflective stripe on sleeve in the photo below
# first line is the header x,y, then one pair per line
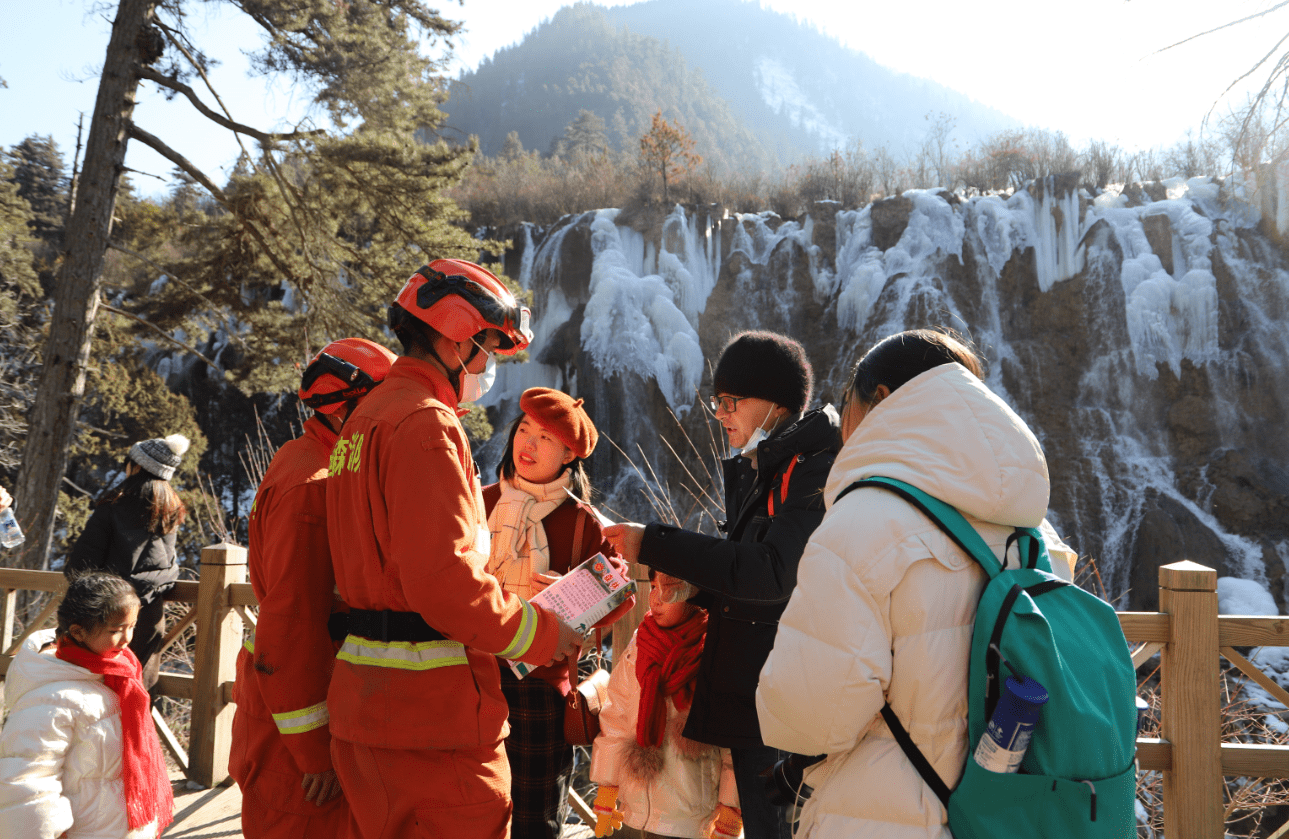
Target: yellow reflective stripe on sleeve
x,y
527,633
402,655
249,644
305,719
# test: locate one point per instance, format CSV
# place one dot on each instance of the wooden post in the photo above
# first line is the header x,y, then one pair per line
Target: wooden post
x,y
219,636
8,611
626,625
1190,694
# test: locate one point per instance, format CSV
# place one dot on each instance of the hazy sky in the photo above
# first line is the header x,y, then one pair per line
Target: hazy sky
x,y
1091,69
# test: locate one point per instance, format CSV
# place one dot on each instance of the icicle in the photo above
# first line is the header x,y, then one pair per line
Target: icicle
x,y
1057,232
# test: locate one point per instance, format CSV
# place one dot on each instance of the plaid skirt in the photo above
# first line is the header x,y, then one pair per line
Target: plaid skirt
x,y
541,763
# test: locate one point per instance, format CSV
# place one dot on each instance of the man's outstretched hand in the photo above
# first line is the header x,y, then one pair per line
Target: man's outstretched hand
x,y
626,537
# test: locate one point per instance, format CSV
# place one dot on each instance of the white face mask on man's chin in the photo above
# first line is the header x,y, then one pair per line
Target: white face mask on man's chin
x,y
475,385
755,438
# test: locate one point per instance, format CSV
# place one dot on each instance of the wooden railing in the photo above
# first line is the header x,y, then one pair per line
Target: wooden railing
x,y
1190,637
1187,632
219,602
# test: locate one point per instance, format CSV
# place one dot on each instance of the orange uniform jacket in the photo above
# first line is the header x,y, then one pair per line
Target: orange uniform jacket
x,y
409,534
281,730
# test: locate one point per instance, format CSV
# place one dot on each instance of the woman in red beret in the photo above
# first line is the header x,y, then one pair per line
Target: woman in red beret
x,y
542,526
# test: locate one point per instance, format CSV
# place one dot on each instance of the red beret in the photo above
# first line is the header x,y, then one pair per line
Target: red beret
x,y
563,416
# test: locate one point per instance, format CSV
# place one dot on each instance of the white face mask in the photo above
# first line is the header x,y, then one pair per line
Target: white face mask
x,y
475,385
757,436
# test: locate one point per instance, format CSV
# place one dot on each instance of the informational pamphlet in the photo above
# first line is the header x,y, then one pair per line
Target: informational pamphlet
x,y
582,597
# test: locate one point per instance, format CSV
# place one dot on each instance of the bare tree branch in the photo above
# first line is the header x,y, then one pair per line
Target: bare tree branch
x,y
171,274
1279,5
155,143
160,332
219,119
176,39
274,171
79,489
200,177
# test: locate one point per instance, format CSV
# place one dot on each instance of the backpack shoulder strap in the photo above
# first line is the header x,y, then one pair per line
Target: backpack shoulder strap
x,y
943,515
915,756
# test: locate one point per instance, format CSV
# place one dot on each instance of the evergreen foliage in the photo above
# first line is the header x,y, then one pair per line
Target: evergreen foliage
x,y
585,135
308,240
578,61
17,276
19,294
313,235
38,172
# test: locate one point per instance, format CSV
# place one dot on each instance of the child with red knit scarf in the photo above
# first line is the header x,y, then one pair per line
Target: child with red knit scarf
x,y
650,776
78,755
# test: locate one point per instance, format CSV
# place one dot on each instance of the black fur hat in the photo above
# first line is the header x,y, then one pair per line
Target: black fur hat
x,y
766,365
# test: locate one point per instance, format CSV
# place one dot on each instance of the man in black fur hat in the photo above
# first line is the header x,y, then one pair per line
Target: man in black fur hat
x,y
773,502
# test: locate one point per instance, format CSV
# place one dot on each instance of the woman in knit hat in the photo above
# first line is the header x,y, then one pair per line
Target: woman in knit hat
x,y
761,389
543,526
131,533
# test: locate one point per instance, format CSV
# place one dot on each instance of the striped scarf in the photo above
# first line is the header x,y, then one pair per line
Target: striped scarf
x,y
519,548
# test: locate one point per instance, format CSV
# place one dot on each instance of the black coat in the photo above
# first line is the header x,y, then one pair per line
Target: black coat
x,y
747,577
116,539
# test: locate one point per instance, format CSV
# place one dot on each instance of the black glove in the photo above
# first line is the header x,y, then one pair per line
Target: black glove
x,y
783,784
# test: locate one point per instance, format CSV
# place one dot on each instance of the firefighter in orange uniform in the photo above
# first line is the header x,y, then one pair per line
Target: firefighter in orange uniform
x,y
281,752
417,714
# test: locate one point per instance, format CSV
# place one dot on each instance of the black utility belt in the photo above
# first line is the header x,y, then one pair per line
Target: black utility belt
x,y
386,625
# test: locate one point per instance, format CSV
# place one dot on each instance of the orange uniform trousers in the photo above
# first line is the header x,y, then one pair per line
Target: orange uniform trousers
x,y
424,793
273,806
262,820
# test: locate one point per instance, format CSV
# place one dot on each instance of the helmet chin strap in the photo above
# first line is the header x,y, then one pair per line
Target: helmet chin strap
x,y
454,376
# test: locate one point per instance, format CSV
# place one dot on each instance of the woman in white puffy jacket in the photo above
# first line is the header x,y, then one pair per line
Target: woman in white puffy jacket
x,y
64,769
885,602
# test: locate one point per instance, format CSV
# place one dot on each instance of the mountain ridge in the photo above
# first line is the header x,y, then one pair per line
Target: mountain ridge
x,y
753,86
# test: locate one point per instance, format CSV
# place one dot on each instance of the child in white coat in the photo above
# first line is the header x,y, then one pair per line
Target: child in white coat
x,y
649,775
78,755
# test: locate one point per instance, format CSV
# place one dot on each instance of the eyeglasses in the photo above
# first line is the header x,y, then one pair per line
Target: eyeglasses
x,y
728,404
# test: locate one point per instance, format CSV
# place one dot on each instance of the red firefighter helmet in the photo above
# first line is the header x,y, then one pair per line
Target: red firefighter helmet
x,y
345,369
460,299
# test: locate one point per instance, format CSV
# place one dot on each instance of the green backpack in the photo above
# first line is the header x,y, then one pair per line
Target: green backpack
x,y
1078,778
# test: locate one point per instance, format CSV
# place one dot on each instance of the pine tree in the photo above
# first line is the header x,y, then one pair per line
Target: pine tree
x,y
19,293
668,150
38,172
512,148
333,216
585,135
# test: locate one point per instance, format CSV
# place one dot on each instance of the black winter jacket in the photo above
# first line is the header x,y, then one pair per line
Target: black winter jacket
x,y
747,577
116,539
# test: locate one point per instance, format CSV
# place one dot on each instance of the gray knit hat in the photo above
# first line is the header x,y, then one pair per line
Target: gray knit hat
x,y
160,455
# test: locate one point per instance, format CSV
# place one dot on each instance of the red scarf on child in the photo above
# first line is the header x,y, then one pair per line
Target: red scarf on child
x,y
666,665
143,769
